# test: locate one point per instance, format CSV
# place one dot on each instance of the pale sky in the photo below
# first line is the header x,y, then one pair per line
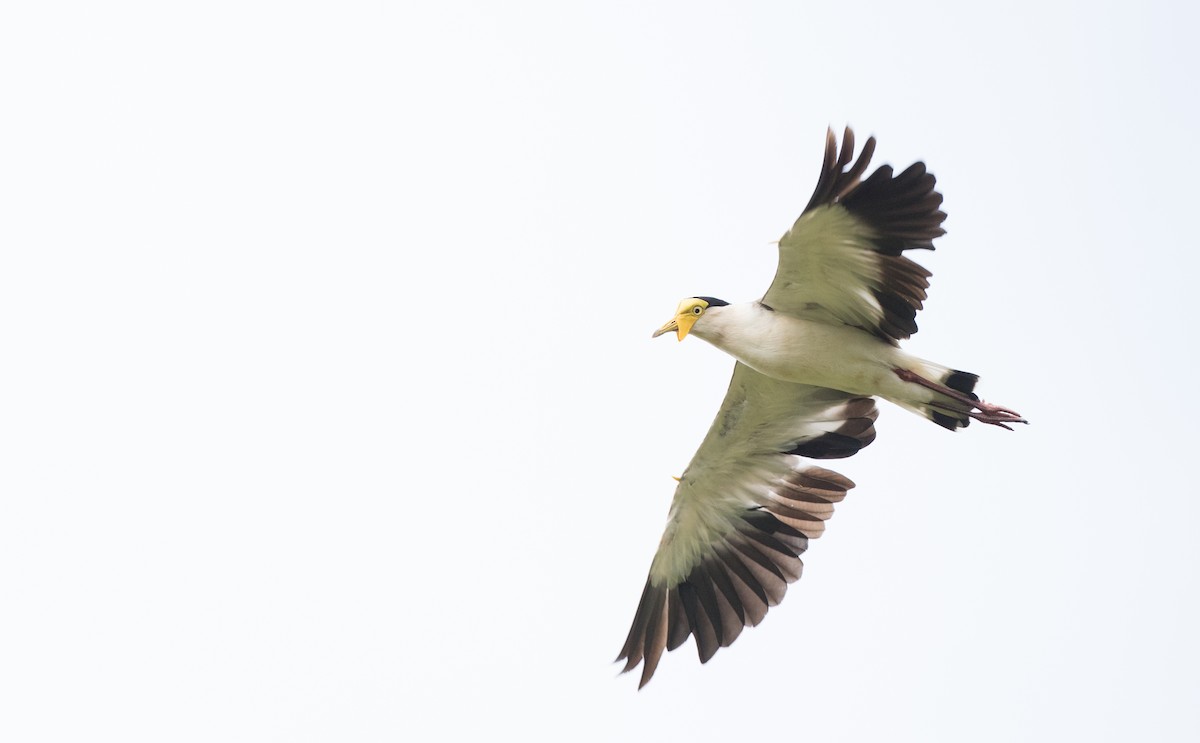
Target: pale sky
x,y
331,411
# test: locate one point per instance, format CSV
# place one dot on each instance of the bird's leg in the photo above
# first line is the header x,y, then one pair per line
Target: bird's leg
x,y
984,412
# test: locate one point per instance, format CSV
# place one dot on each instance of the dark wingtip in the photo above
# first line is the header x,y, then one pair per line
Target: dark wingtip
x,y
847,148
646,676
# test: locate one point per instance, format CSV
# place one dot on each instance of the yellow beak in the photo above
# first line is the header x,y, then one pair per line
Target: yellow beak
x,y
681,324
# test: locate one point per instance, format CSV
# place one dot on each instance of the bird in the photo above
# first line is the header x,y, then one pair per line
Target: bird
x,y
812,356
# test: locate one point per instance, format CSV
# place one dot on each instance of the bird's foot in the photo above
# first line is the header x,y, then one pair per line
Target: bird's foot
x,y
984,412
995,415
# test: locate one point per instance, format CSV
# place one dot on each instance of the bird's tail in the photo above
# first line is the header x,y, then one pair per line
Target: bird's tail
x,y
941,409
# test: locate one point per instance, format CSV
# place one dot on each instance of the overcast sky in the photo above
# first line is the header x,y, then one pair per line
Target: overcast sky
x,y
330,409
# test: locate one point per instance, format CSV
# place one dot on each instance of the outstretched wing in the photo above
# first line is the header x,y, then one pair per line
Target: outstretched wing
x,y
842,261
743,513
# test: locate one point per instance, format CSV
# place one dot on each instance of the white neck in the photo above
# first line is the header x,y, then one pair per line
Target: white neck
x,y
732,327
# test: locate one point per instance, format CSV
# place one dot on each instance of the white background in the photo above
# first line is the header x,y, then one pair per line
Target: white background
x,y
330,409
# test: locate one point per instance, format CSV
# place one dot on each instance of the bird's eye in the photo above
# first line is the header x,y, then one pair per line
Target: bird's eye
x,y
697,310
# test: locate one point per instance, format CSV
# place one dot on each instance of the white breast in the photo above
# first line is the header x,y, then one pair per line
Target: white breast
x,y
793,349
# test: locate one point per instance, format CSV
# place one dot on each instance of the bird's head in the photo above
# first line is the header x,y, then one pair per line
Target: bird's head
x,y
687,314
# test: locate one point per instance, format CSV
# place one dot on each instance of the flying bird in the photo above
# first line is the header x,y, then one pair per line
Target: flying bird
x,y
812,355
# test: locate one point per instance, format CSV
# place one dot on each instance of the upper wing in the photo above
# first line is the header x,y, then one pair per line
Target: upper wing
x,y
842,261
743,512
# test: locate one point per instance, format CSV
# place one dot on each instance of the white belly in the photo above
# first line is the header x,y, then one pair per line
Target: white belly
x,y
797,350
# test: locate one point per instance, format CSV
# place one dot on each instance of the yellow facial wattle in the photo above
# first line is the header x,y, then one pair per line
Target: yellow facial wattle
x,y
686,314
